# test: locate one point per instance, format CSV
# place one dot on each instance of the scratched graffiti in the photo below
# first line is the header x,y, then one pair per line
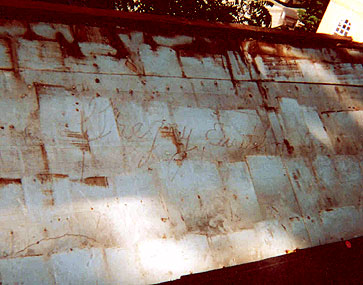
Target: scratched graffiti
x,y
187,141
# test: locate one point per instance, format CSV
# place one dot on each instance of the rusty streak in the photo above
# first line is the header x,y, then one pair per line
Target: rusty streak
x,y
44,157
69,49
100,181
13,56
7,181
338,111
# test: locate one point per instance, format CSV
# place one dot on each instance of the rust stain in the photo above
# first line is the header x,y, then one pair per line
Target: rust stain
x,y
200,201
44,157
49,201
133,67
290,148
172,133
81,140
31,35
48,177
230,71
7,181
100,181
268,108
59,176
294,218
201,47
148,39
43,178
340,111
69,48
254,50
111,34
13,56
273,208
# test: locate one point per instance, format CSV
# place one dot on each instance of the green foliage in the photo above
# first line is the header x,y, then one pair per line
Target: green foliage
x,y
256,13
311,16
251,12
209,10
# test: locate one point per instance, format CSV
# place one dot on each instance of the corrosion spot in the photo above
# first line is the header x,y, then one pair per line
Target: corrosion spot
x,y
2,127
149,40
11,127
69,48
44,178
48,192
268,108
112,35
44,157
175,136
290,148
235,196
97,80
49,202
96,181
164,219
7,181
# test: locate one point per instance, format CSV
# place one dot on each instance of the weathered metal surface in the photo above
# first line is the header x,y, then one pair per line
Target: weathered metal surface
x,y
133,156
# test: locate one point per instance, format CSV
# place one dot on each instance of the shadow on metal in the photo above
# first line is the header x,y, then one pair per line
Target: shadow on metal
x,y
335,263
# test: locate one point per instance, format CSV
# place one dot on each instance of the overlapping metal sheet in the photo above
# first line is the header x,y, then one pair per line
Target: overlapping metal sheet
x,y
137,156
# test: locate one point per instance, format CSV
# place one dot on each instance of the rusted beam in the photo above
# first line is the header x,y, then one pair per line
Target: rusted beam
x,y
36,10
